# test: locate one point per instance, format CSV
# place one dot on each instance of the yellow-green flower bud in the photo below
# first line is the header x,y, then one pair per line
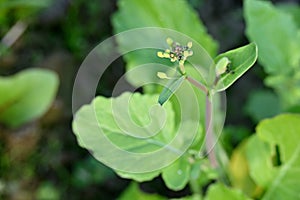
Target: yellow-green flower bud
x,y
222,65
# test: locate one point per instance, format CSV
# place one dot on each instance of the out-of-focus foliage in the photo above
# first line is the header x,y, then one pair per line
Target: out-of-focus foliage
x,y
134,192
238,171
90,171
262,104
274,157
221,192
47,191
82,24
276,33
14,10
270,159
26,96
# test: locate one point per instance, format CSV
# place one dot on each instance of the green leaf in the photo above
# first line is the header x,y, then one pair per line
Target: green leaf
x,y
262,104
125,131
177,175
283,131
131,122
293,10
160,14
139,177
28,96
276,35
239,171
47,190
241,59
193,197
170,89
258,155
133,192
221,192
287,87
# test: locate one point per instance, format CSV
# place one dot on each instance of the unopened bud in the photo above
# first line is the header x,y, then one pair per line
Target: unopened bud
x,y
162,75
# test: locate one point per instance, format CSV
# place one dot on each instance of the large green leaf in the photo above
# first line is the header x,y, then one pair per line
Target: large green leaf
x,y
241,59
284,131
177,175
26,96
134,121
221,192
131,129
276,35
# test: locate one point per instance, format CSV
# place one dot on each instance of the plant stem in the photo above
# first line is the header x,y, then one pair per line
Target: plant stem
x,y
209,136
195,187
197,84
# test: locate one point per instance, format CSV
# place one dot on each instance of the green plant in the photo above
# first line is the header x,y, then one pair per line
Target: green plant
x,y
112,121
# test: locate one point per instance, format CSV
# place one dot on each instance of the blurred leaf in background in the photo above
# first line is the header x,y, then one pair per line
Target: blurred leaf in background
x,y
221,192
134,192
232,136
26,96
238,170
47,191
262,104
90,171
275,167
276,33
